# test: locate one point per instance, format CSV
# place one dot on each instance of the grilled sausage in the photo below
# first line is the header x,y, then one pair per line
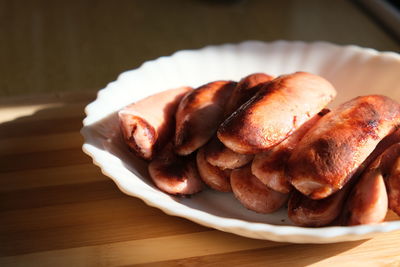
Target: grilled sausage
x,y
174,174
309,212
148,124
391,167
368,202
217,153
213,176
281,107
199,114
269,166
246,89
253,194
304,211
331,152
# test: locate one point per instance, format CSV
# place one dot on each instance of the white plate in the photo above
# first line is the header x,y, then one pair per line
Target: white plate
x,y
353,71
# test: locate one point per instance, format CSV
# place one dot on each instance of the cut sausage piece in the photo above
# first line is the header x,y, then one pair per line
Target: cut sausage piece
x,y
281,107
213,176
173,174
219,155
253,194
304,211
148,124
199,114
309,212
393,187
246,89
391,172
331,152
269,166
368,202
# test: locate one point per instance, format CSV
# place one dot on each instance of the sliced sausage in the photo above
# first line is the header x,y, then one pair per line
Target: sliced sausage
x,y
304,211
199,114
174,174
368,201
148,124
331,152
269,166
217,154
281,107
253,194
309,212
391,173
213,176
246,89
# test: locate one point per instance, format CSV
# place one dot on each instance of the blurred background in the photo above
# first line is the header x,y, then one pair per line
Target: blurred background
x,y
49,46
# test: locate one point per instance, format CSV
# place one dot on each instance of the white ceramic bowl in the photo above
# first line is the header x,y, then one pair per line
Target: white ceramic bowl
x,y
352,70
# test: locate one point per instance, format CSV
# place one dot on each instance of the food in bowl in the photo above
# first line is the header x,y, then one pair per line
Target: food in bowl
x,y
216,130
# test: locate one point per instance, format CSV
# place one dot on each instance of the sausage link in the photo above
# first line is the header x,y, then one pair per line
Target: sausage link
x,y
199,114
269,166
148,124
334,149
213,176
253,194
219,155
318,212
174,174
277,110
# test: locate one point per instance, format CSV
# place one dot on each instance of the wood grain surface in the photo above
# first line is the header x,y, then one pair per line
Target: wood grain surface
x,y
57,209
53,46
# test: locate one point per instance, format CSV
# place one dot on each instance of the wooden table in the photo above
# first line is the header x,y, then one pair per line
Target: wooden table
x,y
57,209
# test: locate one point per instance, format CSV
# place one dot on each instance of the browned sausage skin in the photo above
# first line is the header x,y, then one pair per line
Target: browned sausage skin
x,y
174,174
304,211
275,112
310,212
368,202
219,155
253,194
393,187
246,89
391,173
331,152
269,166
199,114
148,124
213,176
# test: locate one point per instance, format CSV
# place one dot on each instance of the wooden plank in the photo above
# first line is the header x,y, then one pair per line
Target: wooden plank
x,y
55,97
40,143
144,250
86,224
382,250
40,127
36,178
44,159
